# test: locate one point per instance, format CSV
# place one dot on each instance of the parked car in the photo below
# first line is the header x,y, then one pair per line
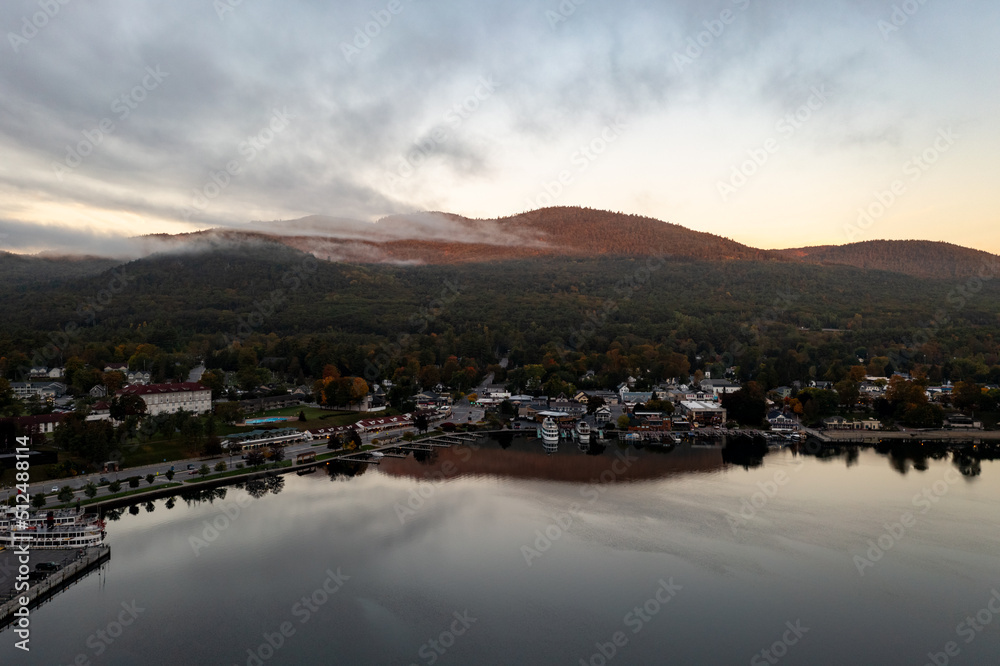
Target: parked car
x,y
46,566
103,481
190,466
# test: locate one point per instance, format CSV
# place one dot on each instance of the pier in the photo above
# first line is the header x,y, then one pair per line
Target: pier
x,y
56,582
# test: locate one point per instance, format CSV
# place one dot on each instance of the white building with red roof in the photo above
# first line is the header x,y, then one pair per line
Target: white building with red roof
x,y
170,398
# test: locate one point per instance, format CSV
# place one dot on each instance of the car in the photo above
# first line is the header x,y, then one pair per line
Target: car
x,y
190,466
46,566
55,489
192,472
103,481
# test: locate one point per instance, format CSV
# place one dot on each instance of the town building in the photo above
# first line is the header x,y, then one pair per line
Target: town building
x,y
170,398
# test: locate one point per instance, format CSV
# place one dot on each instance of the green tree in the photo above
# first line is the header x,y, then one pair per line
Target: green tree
x,y
90,490
150,478
170,475
624,422
133,482
114,487
220,466
65,494
204,471
38,501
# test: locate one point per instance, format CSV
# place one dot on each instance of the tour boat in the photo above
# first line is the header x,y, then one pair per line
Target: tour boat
x,y
583,432
550,432
62,528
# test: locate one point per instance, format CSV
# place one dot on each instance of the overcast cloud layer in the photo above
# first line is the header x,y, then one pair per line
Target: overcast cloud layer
x,y
122,117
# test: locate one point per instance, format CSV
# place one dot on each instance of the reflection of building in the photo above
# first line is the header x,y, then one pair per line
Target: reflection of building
x,y
703,413
170,398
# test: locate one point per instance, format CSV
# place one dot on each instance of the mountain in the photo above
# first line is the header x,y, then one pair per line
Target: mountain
x,y
442,238
926,259
19,269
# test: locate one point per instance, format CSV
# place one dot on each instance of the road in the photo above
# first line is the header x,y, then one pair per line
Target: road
x,y
181,472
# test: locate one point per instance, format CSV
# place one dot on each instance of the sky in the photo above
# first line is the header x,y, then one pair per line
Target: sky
x,y
777,124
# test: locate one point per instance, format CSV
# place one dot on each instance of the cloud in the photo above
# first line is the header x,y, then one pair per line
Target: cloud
x,y
353,120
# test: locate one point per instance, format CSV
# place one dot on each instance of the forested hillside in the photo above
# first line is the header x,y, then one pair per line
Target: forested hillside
x,y
611,315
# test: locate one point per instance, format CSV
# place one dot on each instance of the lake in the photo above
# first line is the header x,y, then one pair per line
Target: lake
x,y
504,554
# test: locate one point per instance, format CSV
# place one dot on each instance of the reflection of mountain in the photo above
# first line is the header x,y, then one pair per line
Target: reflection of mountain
x,y
569,465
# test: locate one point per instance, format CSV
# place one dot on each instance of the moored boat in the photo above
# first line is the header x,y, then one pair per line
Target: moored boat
x,y
63,528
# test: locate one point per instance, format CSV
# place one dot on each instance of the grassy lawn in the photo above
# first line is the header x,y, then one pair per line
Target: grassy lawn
x,y
137,454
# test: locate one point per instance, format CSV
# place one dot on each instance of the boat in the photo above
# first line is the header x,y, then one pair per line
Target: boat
x,y
63,528
550,432
583,432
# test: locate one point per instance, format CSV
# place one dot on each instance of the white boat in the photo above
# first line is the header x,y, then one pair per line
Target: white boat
x,y
63,528
550,432
583,432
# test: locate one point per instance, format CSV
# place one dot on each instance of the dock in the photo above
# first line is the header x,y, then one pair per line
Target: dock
x,y
55,583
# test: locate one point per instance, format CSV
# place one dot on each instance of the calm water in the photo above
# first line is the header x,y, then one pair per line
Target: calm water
x,y
518,558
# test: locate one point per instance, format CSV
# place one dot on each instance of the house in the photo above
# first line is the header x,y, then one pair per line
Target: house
x,y
783,392
170,398
826,386
38,373
632,398
41,424
781,423
431,400
116,367
139,377
100,411
703,413
603,414
568,407
835,423
253,405
493,395
45,391
99,391
719,387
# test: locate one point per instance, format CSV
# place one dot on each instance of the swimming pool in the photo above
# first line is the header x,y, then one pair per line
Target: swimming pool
x,y
270,419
